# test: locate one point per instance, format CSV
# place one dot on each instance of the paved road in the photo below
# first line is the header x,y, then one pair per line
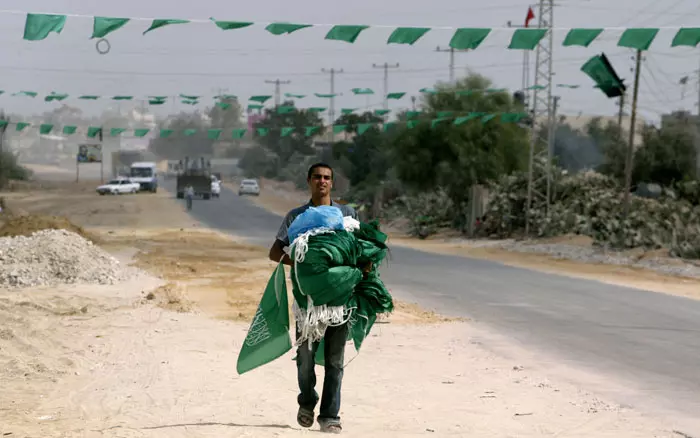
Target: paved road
x,y
649,338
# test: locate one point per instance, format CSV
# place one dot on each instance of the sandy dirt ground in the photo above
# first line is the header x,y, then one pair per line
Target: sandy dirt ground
x,y
280,197
155,356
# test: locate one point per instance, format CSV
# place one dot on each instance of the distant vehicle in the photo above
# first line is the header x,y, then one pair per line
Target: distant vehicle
x,y
249,187
146,174
119,186
215,187
197,174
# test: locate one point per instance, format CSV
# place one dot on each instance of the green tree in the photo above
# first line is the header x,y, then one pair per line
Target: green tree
x,y
295,143
258,162
667,155
363,158
226,114
177,145
612,142
457,156
10,168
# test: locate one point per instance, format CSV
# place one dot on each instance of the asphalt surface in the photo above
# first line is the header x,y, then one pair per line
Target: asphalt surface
x,y
647,338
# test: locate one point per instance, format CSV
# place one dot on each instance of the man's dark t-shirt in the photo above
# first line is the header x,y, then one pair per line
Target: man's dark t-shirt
x,y
289,218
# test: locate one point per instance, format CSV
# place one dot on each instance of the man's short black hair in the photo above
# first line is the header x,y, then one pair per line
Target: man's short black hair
x,y
317,166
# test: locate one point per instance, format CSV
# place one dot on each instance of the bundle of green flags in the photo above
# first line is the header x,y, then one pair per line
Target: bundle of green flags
x,y
331,286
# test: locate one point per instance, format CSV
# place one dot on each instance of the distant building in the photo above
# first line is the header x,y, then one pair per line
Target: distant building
x,y
678,117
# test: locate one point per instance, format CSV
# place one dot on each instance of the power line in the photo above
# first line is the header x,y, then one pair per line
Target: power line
x,y
503,65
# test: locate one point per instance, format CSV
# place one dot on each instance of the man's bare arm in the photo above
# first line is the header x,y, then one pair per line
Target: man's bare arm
x,y
277,253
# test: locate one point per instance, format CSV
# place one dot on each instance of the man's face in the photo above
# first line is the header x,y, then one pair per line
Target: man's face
x,y
321,181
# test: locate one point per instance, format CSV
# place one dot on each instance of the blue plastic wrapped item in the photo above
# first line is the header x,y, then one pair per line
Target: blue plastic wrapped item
x,y
323,216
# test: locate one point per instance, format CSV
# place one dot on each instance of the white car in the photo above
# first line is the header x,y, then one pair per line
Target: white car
x,y
249,187
119,186
215,188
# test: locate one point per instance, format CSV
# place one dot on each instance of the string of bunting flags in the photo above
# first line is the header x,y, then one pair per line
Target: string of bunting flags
x,y
259,100
39,26
413,118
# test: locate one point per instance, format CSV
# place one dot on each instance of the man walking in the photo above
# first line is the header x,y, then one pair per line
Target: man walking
x,y
320,181
189,195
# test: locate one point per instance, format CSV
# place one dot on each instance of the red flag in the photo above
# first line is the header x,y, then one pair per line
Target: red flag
x,y
530,16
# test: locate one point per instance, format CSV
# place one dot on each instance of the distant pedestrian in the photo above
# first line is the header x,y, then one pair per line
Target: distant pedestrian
x,y
189,195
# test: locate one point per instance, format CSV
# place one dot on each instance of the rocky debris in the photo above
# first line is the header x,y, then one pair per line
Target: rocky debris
x,y
52,257
595,254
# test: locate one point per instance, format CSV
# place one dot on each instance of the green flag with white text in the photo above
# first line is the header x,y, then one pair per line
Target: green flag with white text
x,y
268,336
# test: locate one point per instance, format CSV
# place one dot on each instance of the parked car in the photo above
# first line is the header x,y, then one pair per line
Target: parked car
x,y
119,186
249,187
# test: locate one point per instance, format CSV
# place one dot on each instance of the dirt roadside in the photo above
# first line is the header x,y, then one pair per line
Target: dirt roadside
x,y
155,357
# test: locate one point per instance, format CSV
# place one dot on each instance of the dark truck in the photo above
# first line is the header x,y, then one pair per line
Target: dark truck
x,y
199,177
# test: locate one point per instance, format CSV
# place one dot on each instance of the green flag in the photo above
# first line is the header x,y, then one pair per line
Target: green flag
x,y
102,26
230,25
38,26
160,22
268,335
238,133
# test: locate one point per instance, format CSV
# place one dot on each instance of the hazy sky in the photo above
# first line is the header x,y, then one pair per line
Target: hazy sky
x,y
201,59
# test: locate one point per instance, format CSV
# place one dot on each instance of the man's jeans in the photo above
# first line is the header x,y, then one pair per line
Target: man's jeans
x,y
334,355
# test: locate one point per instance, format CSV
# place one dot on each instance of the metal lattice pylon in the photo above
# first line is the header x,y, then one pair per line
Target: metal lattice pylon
x,y
541,111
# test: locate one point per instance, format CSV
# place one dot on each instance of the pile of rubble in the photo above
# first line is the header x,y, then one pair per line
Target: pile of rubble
x,y
52,257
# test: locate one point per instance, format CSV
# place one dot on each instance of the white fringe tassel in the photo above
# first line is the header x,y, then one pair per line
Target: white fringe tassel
x,y
313,321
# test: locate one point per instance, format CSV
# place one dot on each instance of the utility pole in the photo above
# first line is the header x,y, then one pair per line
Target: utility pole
x,y
386,66
541,105
278,92
629,162
331,110
621,112
551,138
452,61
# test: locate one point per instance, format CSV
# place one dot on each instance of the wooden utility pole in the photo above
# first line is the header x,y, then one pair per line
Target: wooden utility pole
x,y
621,112
629,162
